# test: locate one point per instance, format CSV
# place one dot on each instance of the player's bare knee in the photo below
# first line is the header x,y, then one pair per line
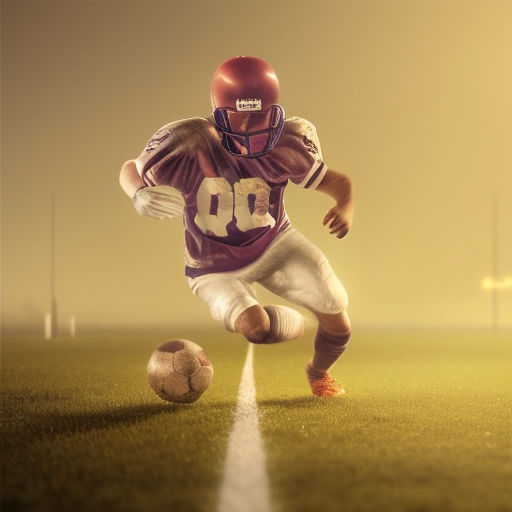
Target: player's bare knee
x,y
337,325
258,334
254,324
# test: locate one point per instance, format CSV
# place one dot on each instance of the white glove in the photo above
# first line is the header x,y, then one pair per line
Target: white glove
x,y
159,202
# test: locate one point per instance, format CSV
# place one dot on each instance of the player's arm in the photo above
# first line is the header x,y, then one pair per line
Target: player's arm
x,y
160,201
339,187
129,178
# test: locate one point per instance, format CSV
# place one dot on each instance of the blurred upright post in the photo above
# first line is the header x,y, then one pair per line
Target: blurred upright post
x,y
496,283
495,262
72,327
54,324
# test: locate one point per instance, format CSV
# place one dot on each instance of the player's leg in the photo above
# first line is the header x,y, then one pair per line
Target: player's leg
x,y
232,300
254,324
270,324
228,297
306,278
331,340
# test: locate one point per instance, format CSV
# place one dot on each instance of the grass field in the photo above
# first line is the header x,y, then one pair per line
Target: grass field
x,y
425,425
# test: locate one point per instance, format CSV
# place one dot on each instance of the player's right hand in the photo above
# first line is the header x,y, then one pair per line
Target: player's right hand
x,y
159,202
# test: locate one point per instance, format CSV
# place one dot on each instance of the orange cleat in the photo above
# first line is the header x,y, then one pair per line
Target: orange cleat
x,y
326,387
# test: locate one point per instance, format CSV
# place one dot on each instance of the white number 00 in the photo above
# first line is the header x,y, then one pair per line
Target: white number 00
x,y
232,203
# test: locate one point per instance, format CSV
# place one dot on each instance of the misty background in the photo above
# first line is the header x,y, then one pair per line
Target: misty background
x,y
411,99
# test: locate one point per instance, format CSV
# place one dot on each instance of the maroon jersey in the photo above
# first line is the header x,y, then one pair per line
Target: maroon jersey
x,y
234,206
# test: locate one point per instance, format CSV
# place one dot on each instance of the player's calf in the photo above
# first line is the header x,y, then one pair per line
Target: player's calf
x,y
328,349
329,345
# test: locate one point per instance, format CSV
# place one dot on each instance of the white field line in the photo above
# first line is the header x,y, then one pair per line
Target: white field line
x,y
245,484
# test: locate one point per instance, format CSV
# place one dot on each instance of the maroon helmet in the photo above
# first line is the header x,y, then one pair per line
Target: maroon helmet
x,y
245,95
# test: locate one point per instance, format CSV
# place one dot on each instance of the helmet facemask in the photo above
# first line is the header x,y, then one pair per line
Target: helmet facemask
x,y
249,133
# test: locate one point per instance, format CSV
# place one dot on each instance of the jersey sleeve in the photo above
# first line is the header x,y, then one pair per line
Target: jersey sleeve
x,y
167,156
298,156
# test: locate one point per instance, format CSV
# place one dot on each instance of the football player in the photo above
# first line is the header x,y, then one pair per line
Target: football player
x,y
226,175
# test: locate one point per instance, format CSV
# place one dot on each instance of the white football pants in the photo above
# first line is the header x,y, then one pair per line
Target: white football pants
x,y
291,267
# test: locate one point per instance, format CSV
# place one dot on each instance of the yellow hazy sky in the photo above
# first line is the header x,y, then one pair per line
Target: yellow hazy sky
x,y
412,99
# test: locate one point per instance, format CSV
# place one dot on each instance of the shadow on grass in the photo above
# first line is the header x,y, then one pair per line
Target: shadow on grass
x,y
35,426
300,402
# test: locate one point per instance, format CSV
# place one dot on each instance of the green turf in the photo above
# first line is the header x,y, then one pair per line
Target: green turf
x,y
82,430
425,425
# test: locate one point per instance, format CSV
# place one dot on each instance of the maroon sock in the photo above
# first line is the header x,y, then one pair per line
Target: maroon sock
x,y
328,348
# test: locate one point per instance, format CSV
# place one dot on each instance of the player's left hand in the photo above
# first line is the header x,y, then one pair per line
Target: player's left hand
x,y
339,219
159,202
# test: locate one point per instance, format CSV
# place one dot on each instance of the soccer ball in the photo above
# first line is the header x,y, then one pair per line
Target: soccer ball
x,y
179,371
